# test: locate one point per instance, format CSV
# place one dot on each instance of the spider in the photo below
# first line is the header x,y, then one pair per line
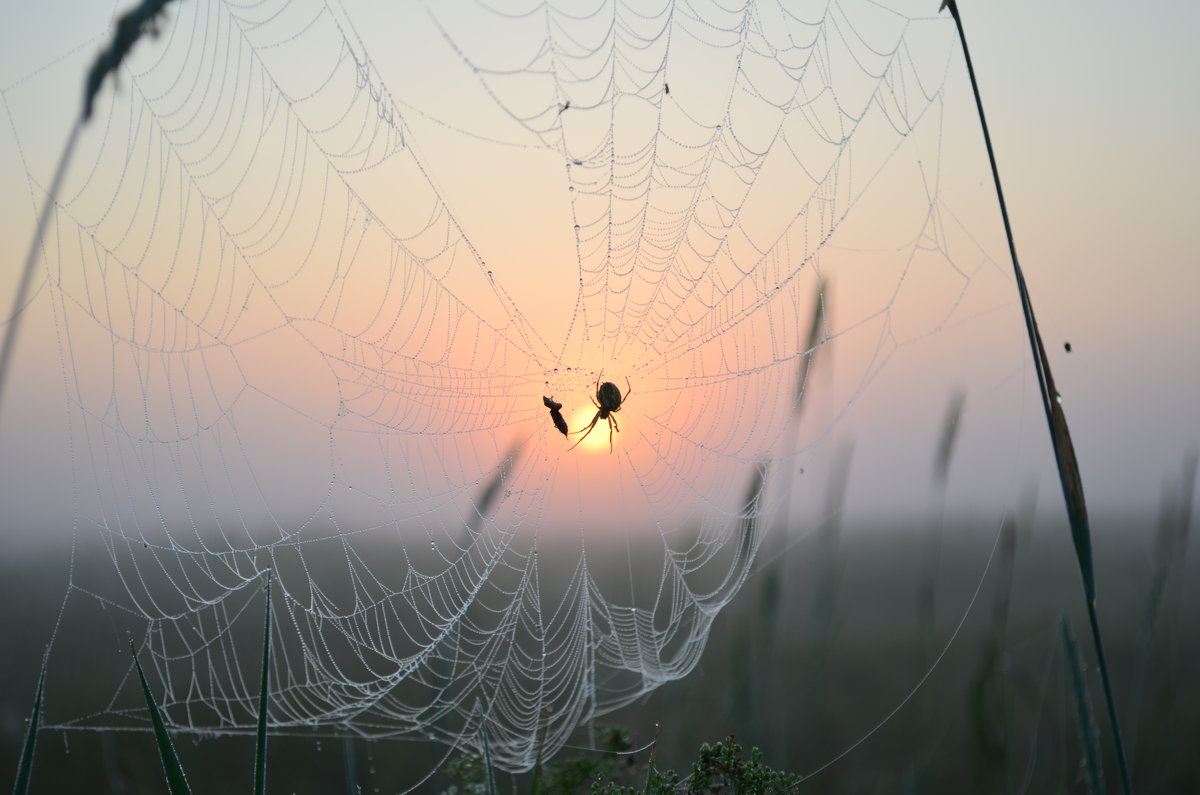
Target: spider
x,y
608,400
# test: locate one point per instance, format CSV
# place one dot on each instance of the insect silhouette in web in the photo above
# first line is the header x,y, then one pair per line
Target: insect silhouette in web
x,y
555,414
608,401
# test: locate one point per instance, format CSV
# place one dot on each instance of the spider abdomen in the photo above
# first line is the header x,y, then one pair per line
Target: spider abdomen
x,y
609,397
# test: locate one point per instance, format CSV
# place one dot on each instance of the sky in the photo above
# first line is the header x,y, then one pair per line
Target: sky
x,y
1090,112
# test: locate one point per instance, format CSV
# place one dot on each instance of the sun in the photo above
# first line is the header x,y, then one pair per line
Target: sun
x,y
597,440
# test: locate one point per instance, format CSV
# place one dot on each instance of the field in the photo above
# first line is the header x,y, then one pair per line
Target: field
x,y
848,643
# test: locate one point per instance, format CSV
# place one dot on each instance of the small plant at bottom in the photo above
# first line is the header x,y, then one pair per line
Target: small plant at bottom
x,y
720,768
468,774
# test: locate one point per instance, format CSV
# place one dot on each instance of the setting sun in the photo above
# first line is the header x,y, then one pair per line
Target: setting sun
x,y
597,440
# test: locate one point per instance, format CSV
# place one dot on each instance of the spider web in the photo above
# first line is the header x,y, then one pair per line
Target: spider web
x,y
314,271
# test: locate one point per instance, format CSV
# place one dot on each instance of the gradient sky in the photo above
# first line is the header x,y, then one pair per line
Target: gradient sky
x,y
1092,114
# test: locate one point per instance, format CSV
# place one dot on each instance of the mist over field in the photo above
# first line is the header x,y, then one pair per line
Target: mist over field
x,y
804,675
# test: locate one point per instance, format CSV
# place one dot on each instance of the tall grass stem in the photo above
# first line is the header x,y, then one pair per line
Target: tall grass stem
x,y
131,26
18,306
1060,437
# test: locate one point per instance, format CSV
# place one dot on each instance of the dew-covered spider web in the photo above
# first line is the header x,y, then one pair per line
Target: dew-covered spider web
x,y
316,265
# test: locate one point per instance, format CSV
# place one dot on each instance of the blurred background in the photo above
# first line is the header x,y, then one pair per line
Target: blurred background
x,y
916,513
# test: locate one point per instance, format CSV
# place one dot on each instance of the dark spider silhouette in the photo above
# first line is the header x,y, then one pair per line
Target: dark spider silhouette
x,y
608,400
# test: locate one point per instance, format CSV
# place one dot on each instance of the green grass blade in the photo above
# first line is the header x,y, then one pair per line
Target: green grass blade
x,y
1088,735
25,769
176,780
650,771
487,758
260,748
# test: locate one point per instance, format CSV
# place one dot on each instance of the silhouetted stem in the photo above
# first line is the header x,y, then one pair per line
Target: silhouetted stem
x,y
1060,437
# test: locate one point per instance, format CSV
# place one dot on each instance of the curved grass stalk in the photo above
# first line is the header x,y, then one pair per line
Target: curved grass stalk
x,y
132,25
1060,436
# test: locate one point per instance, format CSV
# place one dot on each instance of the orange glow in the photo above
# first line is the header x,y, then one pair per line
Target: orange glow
x,y
597,440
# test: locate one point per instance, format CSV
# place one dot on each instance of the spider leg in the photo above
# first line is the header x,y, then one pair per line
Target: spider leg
x,y
585,431
588,428
612,423
628,390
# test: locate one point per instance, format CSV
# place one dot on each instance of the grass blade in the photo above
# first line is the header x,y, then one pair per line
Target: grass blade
x,y
260,748
535,788
1088,735
950,425
742,662
986,705
494,488
750,512
1060,436
487,758
815,332
25,769
651,773
348,753
176,780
